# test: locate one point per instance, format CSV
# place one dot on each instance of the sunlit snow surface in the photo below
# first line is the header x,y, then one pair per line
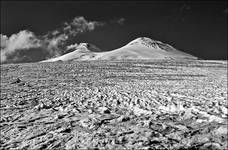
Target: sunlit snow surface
x,y
140,104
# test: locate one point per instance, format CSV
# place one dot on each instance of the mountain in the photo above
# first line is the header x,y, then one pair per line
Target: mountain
x,y
145,48
83,51
140,48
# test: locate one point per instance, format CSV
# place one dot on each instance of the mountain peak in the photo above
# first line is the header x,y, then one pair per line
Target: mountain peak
x,y
145,41
150,43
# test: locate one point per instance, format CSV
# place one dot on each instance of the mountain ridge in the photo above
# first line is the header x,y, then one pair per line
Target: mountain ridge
x,y
139,48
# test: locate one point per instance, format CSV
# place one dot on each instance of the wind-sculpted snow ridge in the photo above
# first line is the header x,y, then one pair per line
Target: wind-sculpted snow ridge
x,y
140,48
143,104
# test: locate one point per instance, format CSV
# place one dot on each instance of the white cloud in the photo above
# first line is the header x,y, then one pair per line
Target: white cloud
x,y
80,25
121,21
53,45
22,40
73,46
55,32
4,41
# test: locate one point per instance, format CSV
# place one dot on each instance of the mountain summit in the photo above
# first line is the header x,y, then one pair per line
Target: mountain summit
x,y
140,48
146,42
151,44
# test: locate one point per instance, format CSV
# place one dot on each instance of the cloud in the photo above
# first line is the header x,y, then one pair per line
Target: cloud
x,y
53,45
80,25
55,32
121,21
55,40
72,46
23,40
26,40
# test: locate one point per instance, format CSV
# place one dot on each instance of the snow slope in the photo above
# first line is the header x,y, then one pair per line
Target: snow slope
x,y
84,51
140,48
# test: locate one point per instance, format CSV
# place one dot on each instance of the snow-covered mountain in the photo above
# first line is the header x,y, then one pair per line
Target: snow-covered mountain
x,y
82,51
140,48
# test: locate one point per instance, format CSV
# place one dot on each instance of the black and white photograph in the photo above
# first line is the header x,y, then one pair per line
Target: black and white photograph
x,y
113,75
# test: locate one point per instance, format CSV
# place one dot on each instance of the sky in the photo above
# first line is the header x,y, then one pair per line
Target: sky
x,y
35,30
